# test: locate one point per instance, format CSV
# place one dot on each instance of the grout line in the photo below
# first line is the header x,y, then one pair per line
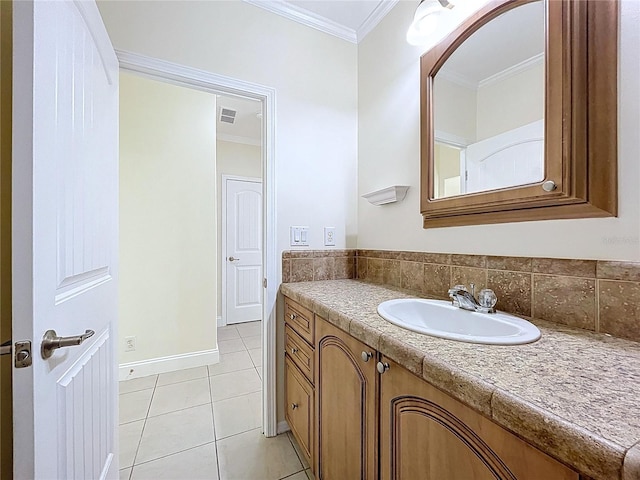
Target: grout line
x,y
236,396
295,450
181,409
143,427
172,453
184,381
215,440
597,312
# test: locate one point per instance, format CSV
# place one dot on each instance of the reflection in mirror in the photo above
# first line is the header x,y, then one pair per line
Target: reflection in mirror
x,y
488,106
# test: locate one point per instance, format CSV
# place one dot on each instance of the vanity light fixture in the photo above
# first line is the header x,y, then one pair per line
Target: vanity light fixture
x,y
426,19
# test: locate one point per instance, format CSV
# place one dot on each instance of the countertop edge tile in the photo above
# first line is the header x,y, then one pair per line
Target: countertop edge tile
x,y
472,391
631,464
595,456
401,353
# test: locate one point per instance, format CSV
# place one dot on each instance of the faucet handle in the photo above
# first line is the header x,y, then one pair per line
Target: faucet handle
x,y
472,289
487,298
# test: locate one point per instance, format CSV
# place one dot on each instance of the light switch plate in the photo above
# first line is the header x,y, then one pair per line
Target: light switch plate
x,y
299,236
329,236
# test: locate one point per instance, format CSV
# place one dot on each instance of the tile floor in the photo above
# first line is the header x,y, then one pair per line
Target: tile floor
x,y
205,422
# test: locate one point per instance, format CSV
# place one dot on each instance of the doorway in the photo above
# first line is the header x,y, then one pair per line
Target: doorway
x,y
217,84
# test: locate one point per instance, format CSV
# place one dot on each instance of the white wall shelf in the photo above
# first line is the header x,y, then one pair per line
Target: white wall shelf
x,y
392,194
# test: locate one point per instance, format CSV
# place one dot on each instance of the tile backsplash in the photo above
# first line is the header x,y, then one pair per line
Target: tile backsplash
x,y
602,296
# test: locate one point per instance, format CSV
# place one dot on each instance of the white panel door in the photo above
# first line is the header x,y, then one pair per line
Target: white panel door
x,y
64,219
243,234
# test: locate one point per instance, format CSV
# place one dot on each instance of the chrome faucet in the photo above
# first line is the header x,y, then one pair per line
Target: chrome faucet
x,y
461,297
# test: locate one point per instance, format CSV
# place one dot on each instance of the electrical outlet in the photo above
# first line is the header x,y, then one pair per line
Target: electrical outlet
x,y
129,344
329,236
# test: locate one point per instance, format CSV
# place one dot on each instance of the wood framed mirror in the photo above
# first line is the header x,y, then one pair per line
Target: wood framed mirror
x,y
519,115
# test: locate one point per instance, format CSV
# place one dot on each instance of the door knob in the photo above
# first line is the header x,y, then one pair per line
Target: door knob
x,y
233,259
51,341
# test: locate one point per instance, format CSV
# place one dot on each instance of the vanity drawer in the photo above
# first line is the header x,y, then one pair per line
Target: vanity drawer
x,y
299,407
299,351
300,319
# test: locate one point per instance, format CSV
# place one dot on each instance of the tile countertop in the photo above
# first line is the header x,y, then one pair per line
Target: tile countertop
x,y
573,394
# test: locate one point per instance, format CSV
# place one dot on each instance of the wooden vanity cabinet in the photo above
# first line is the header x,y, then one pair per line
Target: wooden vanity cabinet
x,y
299,390
426,434
355,423
346,406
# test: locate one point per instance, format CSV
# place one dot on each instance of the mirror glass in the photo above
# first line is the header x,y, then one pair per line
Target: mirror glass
x,y
488,106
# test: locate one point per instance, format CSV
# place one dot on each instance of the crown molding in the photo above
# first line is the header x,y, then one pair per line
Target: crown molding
x,y
460,80
513,70
466,82
307,18
225,137
374,18
326,25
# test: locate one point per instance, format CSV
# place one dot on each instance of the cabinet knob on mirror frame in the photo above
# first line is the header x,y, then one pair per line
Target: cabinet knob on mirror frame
x,y
294,406
382,367
366,356
549,186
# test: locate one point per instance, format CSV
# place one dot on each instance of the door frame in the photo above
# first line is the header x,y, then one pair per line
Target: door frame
x,y
219,84
223,250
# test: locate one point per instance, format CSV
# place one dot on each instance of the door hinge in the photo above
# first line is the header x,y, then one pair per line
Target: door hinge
x,y
264,282
22,355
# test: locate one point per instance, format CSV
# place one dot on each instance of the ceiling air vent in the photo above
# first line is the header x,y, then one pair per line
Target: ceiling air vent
x,y
227,115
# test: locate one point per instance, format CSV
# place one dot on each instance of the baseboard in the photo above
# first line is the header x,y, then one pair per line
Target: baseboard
x,y
283,426
154,366
221,322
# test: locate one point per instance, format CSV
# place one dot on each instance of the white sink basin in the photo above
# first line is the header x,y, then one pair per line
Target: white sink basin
x,y
441,319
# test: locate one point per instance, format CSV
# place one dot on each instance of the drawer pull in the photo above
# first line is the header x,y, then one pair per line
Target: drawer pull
x,y
294,406
366,356
294,350
382,367
292,316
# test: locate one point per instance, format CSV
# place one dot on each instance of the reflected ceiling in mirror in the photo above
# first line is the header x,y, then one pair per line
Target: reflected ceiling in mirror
x,y
488,106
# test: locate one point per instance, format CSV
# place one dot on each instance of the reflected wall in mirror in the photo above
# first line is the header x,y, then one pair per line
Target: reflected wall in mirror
x,y
519,114
488,106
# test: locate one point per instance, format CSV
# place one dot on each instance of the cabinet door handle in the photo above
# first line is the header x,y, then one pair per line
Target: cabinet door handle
x,y
294,350
292,316
366,356
382,367
294,406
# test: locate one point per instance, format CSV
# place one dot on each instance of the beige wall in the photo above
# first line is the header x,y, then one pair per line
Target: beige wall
x,y
388,154
233,159
510,103
167,219
455,110
6,430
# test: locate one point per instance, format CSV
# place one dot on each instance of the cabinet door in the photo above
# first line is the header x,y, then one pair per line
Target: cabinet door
x,y
299,406
345,405
426,434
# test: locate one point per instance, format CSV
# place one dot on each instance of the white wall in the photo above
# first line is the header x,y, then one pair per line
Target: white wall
x,y
388,154
315,77
167,219
232,159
